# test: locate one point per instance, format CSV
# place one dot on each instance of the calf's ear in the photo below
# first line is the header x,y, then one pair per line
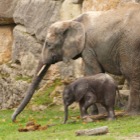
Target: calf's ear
x,y
81,91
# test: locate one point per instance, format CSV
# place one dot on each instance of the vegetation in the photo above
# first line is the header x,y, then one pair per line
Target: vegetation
x,y
123,128
23,78
42,96
126,127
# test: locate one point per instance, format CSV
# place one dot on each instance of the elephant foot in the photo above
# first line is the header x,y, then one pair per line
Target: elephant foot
x,y
94,110
111,119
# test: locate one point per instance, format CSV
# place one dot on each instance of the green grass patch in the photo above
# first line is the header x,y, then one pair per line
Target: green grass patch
x,y
122,128
23,78
42,97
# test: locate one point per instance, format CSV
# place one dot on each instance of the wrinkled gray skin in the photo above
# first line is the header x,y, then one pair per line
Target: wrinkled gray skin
x,y
100,88
107,41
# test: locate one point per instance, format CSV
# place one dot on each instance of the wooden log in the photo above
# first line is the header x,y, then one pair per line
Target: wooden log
x,y
95,131
102,116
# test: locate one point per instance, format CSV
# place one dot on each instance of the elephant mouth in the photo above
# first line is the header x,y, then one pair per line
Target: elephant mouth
x,y
56,58
77,56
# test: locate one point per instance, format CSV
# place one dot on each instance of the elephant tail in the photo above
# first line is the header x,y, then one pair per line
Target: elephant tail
x,y
118,101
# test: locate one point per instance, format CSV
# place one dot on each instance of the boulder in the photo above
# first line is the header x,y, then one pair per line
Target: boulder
x,y
102,5
71,70
6,40
12,88
119,79
124,97
37,15
7,8
70,10
26,50
126,85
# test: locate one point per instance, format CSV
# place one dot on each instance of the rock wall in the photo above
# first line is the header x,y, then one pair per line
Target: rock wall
x,y
37,15
23,27
7,8
70,10
11,86
6,41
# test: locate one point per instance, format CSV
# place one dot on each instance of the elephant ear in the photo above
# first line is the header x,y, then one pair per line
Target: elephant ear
x,y
80,91
74,40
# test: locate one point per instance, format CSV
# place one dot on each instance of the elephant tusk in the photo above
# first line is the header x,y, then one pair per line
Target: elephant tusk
x,y
41,70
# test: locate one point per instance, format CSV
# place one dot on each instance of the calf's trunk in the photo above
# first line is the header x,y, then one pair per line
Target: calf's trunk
x,y
66,113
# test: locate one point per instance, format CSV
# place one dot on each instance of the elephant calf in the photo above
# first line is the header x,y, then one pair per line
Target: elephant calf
x,y
100,88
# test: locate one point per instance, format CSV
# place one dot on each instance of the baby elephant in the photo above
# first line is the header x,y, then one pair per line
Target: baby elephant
x,y
100,88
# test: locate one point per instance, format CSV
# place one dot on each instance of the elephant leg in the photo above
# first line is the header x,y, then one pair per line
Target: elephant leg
x,y
91,67
89,101
134,98
94,109
83,110
111,113
91,63
132,74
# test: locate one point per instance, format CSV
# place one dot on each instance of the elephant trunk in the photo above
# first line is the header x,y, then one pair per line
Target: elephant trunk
x,y
66,113
41,70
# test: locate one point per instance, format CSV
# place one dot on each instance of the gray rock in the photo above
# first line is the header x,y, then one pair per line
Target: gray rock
x,y
71,70
119,79
6,40
70,10
11,89
26,50
7,8
37,15
126,85
125,92
124,98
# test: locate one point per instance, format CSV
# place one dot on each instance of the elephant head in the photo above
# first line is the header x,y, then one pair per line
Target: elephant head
x,y
73,92
64,41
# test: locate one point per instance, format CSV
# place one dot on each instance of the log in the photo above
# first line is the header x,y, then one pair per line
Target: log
x,y
102,116
90,132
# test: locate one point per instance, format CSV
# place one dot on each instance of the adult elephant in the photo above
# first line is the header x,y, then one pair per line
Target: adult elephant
x,y
107,41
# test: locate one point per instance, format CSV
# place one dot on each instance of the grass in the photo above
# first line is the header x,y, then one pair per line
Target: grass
x,y
23,78
42,96
123,128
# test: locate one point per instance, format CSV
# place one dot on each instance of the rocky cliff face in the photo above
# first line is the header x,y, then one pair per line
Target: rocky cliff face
x,y
24,26
7,9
